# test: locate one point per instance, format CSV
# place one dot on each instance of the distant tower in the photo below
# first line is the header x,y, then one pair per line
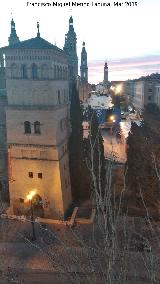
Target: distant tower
x,y
84,67
13,38
70,48
105,73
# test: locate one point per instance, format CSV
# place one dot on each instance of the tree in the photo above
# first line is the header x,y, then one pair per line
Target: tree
x,y
94,152
78,170
143,146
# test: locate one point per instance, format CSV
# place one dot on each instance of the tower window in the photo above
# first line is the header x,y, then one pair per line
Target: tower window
x,y
59,97
27,127
24,71
61,124
30,174
37,128
34,71
57,73
63,74
40,175
44,71
14,71
60,73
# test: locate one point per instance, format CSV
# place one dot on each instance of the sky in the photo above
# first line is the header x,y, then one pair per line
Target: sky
x,y
127,37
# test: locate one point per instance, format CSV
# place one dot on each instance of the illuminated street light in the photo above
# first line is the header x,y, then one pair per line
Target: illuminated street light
x,y
112,118
112,88
118,89
30,197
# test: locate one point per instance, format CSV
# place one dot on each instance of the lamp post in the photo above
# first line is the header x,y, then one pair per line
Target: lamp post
x,y
29,197
112,118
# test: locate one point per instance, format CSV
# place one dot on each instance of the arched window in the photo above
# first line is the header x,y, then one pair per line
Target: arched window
x,y
61,124
34,71
66,74
27,127
64,92
59,97
14,71
44,71
63,74
37,127
24,71
57,73
60,73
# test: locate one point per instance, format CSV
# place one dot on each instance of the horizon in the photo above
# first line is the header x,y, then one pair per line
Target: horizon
x,y
125,37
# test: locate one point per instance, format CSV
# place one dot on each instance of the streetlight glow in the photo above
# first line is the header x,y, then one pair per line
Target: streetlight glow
x,y
29,198
112,117
118,89
31,194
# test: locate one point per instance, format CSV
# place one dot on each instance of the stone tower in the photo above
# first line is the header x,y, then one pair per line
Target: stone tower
x,y
105,74
37,119
13,38
84,67
70,48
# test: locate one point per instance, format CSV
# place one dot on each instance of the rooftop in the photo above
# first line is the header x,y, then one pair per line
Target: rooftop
x,y
33,43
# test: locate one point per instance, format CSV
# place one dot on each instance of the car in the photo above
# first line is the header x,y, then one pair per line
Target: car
x,y
123,116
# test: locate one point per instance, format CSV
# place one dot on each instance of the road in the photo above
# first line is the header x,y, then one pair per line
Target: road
x,y
113,148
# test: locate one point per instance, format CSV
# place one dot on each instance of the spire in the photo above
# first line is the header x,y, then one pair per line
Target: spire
x,y
38,33
83,48
13,38
70,48
106,65
105,81
71,28
84,65
71,20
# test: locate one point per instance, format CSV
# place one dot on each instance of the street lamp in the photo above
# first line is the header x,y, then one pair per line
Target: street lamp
x,y
112,118
29,197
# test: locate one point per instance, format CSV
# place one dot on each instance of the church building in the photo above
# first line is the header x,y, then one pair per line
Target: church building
x,y
37,122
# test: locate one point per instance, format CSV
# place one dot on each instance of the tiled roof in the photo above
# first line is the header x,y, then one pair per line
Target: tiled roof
x,y
34,43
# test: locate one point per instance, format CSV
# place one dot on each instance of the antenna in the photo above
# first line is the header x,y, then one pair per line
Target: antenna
x,y
70,11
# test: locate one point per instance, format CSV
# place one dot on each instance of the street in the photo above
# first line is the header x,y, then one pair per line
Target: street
x,y
113,148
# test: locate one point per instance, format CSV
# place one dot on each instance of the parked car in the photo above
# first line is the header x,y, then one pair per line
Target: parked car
x,y
123,116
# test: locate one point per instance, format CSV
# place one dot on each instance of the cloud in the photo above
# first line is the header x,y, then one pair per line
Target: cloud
x,y
125,68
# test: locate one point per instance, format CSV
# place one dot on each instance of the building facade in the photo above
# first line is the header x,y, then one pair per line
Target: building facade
x,y
37,120
3,147
157,95
3,140
143,94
